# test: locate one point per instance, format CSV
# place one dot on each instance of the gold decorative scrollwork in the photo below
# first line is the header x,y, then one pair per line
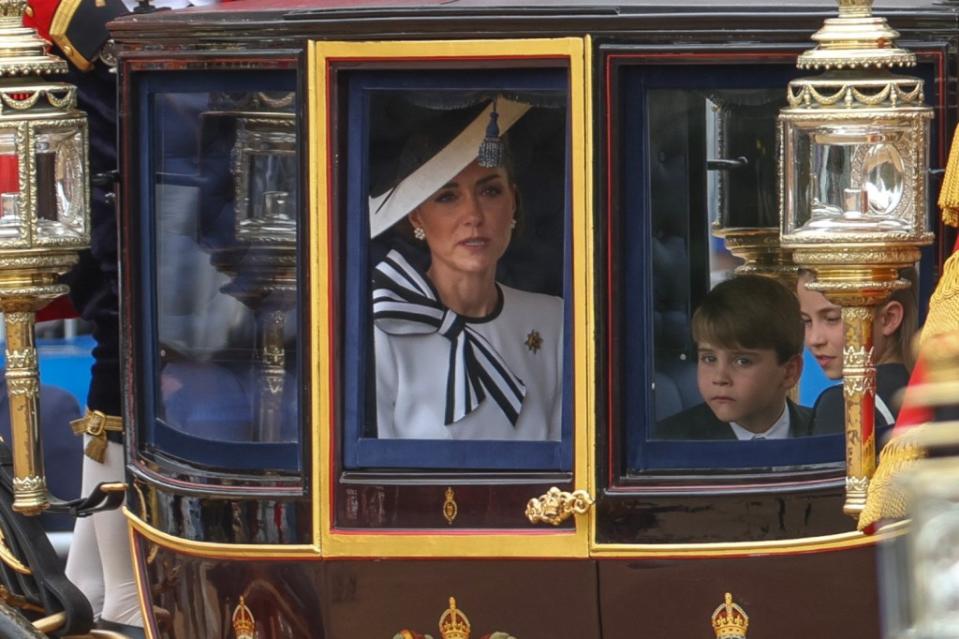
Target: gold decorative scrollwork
x,y
841,255
858,313
21,104
68,99
26,386
855,385
857,357
13,9
900,91
556,506
857,484
450,509
26,358
18,318
34,261
860,62
29,494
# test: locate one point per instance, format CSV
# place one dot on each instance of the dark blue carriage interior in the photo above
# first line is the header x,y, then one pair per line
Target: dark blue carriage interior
x,y
537,260
662,250
215,398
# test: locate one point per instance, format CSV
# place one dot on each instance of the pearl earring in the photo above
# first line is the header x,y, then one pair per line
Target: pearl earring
x,y
419,233
512,225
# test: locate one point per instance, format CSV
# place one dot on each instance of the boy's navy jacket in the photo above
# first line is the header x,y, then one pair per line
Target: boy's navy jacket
x,y
699,422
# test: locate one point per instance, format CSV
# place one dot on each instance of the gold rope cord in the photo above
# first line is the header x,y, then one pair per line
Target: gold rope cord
x,y
943,315
949,195
885,499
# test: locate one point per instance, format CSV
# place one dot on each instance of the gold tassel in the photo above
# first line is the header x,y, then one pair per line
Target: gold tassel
x,y
96,448
949,195
943,316
885,499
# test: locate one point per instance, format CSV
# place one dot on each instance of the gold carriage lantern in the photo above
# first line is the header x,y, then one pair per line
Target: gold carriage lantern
x,y
853,169
44,222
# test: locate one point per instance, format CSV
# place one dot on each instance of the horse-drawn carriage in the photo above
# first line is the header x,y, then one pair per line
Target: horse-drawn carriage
x,y
269,493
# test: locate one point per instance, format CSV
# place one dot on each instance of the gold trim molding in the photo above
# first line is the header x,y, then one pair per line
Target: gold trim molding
x,y
218,550
826,543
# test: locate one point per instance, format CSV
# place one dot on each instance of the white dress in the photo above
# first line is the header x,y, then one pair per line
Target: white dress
x,y
411,376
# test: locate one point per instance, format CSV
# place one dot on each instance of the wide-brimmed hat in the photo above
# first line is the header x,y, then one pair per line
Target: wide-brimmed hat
x,y
394,204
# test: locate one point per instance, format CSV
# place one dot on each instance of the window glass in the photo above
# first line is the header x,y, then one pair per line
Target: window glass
x,y
456,233
704,142
223,177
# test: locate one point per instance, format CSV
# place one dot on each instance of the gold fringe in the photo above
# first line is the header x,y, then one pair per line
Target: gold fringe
x,y
885,499
943,316
949,195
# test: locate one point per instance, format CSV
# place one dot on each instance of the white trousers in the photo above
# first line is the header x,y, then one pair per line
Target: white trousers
x,y
100,561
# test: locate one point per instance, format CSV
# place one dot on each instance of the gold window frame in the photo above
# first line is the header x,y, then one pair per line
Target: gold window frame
x,y
473,54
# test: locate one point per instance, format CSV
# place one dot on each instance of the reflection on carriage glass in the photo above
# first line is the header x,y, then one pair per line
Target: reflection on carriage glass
x,y
712,162
708,148
225,197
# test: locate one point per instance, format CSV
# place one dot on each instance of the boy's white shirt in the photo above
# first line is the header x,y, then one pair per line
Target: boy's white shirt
x,y
779,429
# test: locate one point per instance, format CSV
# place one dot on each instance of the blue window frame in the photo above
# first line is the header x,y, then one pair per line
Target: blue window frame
x,y
641,322
171,113
361,447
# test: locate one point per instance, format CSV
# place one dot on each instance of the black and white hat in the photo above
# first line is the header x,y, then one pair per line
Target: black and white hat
x,y
394,204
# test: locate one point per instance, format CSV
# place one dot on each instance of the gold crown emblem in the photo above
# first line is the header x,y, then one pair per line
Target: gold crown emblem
x,y
244,626
453,623
730,621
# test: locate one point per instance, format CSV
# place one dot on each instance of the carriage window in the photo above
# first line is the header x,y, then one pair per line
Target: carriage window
x,y
726,358
456,223
222,186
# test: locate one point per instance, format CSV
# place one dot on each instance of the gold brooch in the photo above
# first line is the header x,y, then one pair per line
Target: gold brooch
x,y
534,341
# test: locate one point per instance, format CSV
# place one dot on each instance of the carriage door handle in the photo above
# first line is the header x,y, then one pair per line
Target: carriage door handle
x,y
556,506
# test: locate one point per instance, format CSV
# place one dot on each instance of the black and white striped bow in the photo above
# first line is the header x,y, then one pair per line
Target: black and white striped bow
x,y
405,303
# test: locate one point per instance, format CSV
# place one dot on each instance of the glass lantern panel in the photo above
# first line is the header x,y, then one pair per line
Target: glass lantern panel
x,y
852,178
223,178
61,184
265,170
12,225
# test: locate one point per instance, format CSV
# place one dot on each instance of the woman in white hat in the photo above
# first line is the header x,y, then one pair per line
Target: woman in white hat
x,y
457,354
